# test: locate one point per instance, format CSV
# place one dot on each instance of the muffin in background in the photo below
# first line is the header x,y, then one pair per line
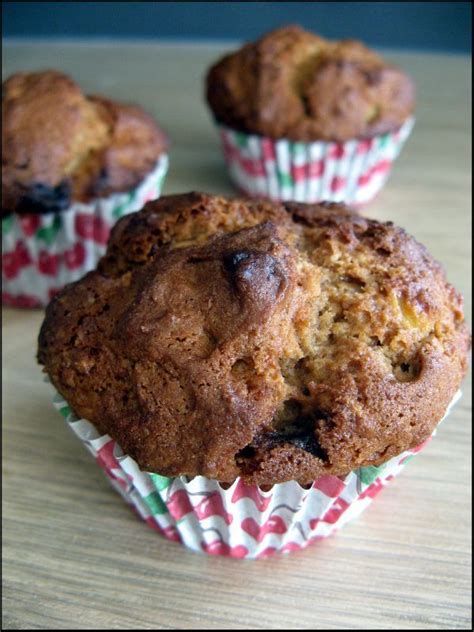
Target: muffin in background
x,y
71,166
306,119
266,368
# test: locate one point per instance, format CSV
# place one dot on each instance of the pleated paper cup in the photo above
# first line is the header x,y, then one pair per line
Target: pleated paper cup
x,y
352,172
41,253
240,520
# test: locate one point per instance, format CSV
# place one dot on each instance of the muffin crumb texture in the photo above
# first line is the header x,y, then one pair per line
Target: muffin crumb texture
x,y
296,85
60,146
269,341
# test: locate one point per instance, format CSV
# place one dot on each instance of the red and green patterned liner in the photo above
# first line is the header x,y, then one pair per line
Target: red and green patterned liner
x,y
42,253
352,172
242,521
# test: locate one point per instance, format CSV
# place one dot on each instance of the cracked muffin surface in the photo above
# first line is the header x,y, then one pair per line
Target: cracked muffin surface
x,y
269,341
60,146
296,85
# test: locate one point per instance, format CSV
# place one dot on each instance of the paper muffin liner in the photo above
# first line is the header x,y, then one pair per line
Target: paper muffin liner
x,y
240,521
43,252
352,172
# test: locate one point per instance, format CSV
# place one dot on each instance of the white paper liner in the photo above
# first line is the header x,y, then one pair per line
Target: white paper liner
x,y
43,252
242,521
352,172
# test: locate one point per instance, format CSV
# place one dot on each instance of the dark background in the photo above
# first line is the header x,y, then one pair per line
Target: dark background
x,y
442,26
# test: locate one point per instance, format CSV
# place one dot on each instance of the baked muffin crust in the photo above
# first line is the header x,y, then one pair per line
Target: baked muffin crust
x,y
270,341
60,146
296,85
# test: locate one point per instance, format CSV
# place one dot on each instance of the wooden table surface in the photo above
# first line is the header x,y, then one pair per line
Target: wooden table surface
x,y
74,555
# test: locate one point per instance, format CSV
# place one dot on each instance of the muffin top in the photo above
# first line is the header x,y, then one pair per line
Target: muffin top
x,y
270,341
60,146
293,84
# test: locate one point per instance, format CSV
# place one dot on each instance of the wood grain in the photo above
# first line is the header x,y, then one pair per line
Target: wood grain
x,y
74,555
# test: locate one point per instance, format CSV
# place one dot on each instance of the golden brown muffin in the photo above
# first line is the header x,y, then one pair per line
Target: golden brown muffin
x,y
293,84
269,341
60,146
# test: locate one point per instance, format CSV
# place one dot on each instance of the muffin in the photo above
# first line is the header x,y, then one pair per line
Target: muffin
x,y
71,166
266,368
306,119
